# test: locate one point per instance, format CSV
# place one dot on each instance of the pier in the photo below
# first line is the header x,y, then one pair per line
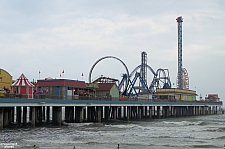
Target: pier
x,y
22,111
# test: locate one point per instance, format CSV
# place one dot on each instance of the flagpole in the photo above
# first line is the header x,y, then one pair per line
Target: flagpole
x,y
63,73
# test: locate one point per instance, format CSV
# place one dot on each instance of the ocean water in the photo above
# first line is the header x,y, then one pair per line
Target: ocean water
x,y
197,132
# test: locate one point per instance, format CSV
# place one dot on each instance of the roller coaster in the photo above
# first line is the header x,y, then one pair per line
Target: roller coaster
x,y
137,80
136,83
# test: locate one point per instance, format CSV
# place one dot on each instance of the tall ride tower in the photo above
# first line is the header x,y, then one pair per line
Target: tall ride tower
x,y
179,76
143,70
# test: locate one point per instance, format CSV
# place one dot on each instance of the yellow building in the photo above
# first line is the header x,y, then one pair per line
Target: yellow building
x,y
5,81
176,94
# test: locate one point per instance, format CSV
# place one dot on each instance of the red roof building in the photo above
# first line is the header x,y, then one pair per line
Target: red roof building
x,y
62,88
23,86
107,90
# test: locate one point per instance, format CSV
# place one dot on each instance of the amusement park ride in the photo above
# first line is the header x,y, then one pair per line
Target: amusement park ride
x,y
136,83
161,79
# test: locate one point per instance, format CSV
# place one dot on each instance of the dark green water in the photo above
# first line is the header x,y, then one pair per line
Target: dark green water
x,y
176,133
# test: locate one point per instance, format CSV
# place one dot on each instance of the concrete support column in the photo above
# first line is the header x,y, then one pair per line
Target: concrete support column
x,y
48,114
150,111
106,112
54,114
24,115
193,110
167,111
188,111
119,112
18,115
36,114
185,111
136,112
128,113
158,112
84,113
77,114
40,115
177,111
99,111
163,111
146,112
204,110
5,117
196,111
30,114
131,112
43,113
89,114
174,111
66,114
10,114
1,117
210,110
59,116
153,108
181,111
71,114
140,112
81,114
124,112
114,113
33,113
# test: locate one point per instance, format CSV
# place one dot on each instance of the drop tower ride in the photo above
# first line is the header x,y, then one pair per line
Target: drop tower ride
x,y
179,76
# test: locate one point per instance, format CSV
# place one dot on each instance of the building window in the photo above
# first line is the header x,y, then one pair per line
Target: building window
x,y
0,79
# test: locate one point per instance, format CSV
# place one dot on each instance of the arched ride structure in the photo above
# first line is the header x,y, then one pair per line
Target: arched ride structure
x,y
129,85
143,87
161,79
113,57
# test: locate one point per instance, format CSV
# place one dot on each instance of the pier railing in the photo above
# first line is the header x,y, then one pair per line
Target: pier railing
x,y
55,97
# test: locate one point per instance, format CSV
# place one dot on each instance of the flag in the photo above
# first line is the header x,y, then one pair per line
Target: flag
x,y
82,74
63,71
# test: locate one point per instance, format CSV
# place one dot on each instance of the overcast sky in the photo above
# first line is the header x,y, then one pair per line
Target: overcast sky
x,y
52,36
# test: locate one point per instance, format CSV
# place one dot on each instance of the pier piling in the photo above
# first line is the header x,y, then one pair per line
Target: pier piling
x,y
1,117
33,113
41,113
